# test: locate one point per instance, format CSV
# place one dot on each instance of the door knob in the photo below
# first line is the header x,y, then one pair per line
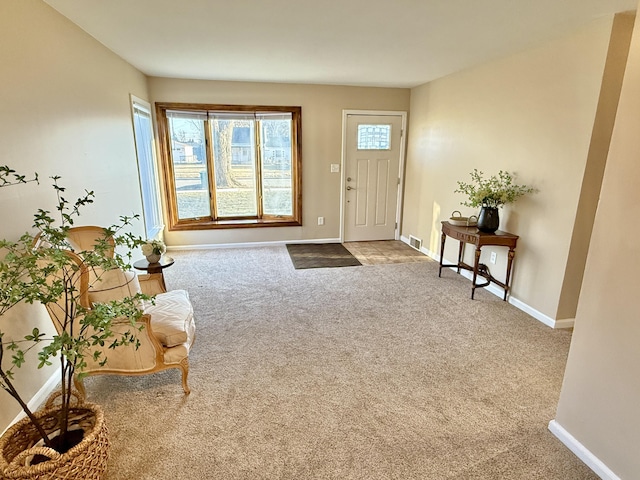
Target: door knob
x,y
350,188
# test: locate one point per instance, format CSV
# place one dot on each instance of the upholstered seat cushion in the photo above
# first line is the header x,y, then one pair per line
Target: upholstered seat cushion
x,y
171,312
171,317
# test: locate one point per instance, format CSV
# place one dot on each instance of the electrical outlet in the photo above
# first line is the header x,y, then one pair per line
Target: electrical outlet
x,y
320,220
494,256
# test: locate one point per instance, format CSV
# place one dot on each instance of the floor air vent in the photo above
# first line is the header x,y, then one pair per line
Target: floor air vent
x,y
415,242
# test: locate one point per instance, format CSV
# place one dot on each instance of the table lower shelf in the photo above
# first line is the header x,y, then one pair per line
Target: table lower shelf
x,y
483,271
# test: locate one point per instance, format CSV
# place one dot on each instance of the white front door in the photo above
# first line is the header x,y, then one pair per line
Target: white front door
x,y
372,176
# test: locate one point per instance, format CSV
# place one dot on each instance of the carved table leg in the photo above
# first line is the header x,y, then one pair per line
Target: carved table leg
x,y
475,271
460,253
442,240
512,253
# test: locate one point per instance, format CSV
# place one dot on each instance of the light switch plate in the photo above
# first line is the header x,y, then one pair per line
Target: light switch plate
x,y
335,168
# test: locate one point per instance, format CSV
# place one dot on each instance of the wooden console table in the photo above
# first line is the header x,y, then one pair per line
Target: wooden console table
x,y
475,237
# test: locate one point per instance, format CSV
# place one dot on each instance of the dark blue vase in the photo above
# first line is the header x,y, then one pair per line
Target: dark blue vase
x,y
488,220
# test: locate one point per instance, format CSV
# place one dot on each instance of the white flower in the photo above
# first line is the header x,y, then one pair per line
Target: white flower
x,y
153,246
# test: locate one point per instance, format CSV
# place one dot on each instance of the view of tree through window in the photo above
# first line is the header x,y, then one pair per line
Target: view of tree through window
x,y
232,165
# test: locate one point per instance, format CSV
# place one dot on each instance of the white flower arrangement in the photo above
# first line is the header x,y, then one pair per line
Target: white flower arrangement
x,y
151,247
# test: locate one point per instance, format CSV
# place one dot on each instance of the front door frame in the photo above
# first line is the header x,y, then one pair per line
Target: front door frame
x,y
343,179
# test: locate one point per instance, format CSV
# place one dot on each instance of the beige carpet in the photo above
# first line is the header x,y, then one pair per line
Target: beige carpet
x,y
374,372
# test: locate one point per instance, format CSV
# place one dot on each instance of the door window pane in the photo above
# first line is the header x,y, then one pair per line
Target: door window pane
x,y
188,154
277,187
374,137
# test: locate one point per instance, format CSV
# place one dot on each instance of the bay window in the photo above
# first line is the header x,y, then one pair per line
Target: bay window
x,y
231,166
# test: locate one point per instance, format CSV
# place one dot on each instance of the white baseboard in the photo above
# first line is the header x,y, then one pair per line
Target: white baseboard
x,y
519,304
548,321
580,451
565,323
40,396
250,244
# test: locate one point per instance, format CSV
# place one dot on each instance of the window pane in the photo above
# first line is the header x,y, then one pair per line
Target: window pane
x,y
374,137
147,168
188,154
277,187
234,166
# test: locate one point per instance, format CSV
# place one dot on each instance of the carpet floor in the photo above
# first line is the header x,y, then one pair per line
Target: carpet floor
x,y
376,372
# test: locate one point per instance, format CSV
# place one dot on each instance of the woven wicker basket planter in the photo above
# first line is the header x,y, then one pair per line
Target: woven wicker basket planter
x,y
87,460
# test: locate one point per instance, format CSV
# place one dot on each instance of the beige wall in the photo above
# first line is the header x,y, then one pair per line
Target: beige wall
x,y
65,111
596,160
532,114
601,391
321,145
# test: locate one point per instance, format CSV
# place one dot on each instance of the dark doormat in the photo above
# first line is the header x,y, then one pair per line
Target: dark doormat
x,y
320,255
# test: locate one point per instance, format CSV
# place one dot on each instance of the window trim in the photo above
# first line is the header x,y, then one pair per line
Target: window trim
x,y
175,223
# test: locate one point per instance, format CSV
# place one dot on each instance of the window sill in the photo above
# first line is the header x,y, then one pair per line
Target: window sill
x,y
226,224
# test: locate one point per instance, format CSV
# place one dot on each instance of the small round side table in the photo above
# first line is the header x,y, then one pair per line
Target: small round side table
x,y
154,271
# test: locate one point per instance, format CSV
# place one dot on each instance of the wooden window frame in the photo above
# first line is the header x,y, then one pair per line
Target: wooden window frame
x,y
164,140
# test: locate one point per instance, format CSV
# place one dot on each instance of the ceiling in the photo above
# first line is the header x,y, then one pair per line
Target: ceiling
x,y
393,43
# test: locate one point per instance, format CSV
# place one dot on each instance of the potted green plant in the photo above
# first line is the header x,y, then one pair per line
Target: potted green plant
x,y
41,269
490,194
